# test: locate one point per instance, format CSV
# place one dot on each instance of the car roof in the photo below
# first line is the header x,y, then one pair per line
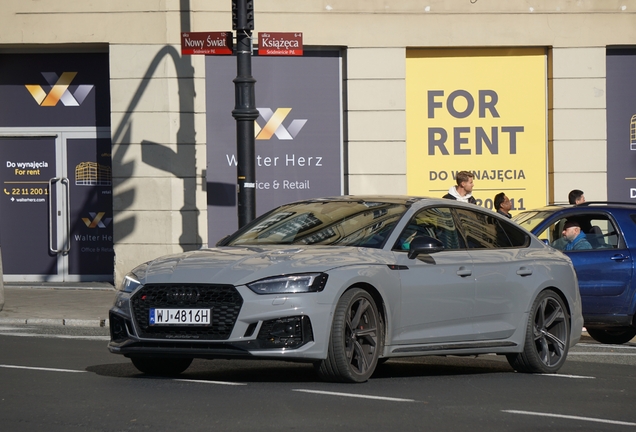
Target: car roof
x,y
588,205
392,199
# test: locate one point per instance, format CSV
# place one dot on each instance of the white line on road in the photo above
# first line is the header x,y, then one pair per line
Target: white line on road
x,y
40,368
568,376
590,419
354,395
54,336
606,346
600,353
212,382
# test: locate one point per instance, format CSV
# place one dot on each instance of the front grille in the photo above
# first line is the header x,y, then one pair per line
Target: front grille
x,y
224,301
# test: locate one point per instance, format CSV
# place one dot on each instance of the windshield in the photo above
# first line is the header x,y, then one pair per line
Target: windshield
x,y
530,219
342,223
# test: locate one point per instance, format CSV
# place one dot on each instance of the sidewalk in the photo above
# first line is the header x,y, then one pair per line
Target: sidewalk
x,y
70,304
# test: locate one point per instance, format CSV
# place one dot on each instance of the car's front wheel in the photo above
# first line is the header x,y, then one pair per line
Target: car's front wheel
x,y
161,365
356,339
547,336
616,336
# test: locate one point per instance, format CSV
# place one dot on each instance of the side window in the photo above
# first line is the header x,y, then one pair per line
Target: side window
x,y
582,232
516,237
433,222
484,231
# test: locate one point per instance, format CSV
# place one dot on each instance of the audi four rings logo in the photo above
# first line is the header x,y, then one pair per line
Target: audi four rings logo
x,y
97,221
59,90
274,125
184,295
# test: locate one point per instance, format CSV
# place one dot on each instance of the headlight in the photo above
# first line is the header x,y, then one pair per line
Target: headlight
x,y
131,280
298,283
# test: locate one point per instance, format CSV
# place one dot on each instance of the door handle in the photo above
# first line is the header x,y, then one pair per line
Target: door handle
x,y
524,271
67,241
618,257
463,271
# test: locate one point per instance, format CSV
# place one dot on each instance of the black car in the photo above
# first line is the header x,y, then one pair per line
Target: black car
x,y
605,268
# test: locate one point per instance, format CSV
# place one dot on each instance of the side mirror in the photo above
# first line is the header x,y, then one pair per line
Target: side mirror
x,y
424,245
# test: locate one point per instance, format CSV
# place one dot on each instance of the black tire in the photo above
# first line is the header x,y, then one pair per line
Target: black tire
x,y
161,366
616,336
355,341
547,336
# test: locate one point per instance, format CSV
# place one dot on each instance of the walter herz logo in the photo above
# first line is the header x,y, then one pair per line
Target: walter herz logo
x,y
59,89
274,125
96,220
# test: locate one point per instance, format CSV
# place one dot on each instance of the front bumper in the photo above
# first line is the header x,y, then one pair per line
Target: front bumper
x,y
244,324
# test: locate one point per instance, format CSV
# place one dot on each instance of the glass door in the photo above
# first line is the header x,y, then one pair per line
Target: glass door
x,y
56,206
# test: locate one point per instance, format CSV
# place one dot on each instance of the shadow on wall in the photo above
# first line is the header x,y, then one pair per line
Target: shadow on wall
x,y
160,156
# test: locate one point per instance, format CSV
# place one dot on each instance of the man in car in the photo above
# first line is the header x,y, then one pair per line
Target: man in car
x,y
576,239
464,189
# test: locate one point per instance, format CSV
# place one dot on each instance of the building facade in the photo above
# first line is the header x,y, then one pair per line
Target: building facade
x,y
534,97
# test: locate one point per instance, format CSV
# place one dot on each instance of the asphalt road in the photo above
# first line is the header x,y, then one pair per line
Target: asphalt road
x,y
58,379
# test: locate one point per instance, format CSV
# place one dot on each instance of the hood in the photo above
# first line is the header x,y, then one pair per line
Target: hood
x,y
240,265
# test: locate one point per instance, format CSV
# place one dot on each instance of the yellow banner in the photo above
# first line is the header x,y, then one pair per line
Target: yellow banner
x,y
478,110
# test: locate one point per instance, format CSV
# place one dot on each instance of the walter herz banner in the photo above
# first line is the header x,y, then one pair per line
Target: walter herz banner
x,y
298,134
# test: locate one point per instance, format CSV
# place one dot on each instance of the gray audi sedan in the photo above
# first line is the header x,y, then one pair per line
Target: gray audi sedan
x,y
348,282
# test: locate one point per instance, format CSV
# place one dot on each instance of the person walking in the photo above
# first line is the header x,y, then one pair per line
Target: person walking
x,y
464,188
503,205
576,197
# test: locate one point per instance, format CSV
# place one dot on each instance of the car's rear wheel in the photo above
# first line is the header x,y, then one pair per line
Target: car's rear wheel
x,y
547,336
162,366
612,336
356,339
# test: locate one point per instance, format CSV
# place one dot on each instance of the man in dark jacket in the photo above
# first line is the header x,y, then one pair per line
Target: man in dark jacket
x,y
503,205
463,190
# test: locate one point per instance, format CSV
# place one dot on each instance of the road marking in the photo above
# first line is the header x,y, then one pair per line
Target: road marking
x,y
212,382
568,376
53,336
40,368
607,346
601,354
590,419
354,395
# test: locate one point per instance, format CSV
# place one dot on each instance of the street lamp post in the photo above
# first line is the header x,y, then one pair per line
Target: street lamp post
x,y
245,112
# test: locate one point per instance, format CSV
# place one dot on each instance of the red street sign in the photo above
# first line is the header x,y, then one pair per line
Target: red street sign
x,y
206,43
280,44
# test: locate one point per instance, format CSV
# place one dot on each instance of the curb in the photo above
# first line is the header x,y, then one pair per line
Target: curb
x,y
56,322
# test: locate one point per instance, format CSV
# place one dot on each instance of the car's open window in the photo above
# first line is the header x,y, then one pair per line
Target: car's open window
x,y
600,232
435,222
484,231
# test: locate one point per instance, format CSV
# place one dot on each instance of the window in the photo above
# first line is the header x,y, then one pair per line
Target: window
x,y
599,231
484,231
433,222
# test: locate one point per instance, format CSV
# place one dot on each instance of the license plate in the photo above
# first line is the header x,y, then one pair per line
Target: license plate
x,y
180,316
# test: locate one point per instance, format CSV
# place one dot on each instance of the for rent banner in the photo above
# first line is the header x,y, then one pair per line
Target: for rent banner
x,y
478,110
298,134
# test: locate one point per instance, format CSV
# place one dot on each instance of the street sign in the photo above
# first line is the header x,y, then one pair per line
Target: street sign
x,y
280,44
209,43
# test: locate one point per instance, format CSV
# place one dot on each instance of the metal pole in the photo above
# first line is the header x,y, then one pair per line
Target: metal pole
x,y
245,113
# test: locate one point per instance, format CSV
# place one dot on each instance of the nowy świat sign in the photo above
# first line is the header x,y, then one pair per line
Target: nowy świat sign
x,y
207,43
